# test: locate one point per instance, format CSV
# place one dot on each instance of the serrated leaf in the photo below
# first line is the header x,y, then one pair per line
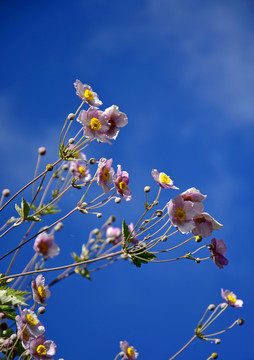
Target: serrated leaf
x,y
25,208
142,258
11,296
9,312
19,210
33,218
75,257
126,234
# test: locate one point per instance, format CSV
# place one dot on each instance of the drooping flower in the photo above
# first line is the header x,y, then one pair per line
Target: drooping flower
x,y
181,213
163,180
45,245
28,326
231,298
218,251
116,119
79,168
95,124
195,196
40,291
105,174
42,349
86,93
121,182
128,351
205,224
114,235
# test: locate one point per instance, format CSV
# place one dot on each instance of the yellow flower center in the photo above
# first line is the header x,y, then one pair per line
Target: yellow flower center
x,y
30,319
43,248
130,351
41,350
82,170
180,214
95,124
106,174
42,292
231,298
165,179
25,335
122,185
88,95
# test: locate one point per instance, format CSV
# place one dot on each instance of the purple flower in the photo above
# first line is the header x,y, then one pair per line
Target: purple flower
x,y
116,120
196,197
28,326
86,93
231,298
44,245
129,352
41,349
105,174
40,291
181,213
205,224
121,182
114,235
134,239
79,168
218,251
95,124
163,180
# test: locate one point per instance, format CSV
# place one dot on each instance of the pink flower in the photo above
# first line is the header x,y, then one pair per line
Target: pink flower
x,y
105,174
95,124
79,168
116,119
218,251
196,197
128,351
44,245
86,93
114,235
121,182
231,298
40,291
42,349
205,224
163,180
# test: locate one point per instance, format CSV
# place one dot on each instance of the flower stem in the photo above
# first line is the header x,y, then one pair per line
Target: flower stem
x,y
184,347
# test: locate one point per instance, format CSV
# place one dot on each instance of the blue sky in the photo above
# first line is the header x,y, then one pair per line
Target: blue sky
x,y
183,72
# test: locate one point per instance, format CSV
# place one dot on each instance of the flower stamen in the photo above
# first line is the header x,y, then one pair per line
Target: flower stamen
x,y
180,214
88,95
95,124
41,350
106,174
31,320
165,179
42,292
122,185
130,351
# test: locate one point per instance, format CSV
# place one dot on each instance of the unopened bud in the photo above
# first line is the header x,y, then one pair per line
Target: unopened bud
x,y
211,307
6,192
118,200
71,116
147,189
58,226
198,238
13,337
41,310
197,260
214,356
92,161
71,141
164,238
96,231
210,246
158,213
240,321
3,326
217,341
42,150
49,167
65,167
99,215
156,202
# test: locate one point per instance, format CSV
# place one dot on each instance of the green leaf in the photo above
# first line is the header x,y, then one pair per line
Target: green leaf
x,y
19,210
11,296
25,208
126,234
33,218
144,258
9,312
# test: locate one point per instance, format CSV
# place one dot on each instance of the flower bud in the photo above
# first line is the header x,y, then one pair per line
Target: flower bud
x,y
13,337
217,341
198,238
42,150
99,215
214,356
118,200
210,246
197,260
65,167
6,192
49,167
240,321
41,310
58,226
71,116
92,161
158,213
211,307
164,238
71,141
3,326
147,189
